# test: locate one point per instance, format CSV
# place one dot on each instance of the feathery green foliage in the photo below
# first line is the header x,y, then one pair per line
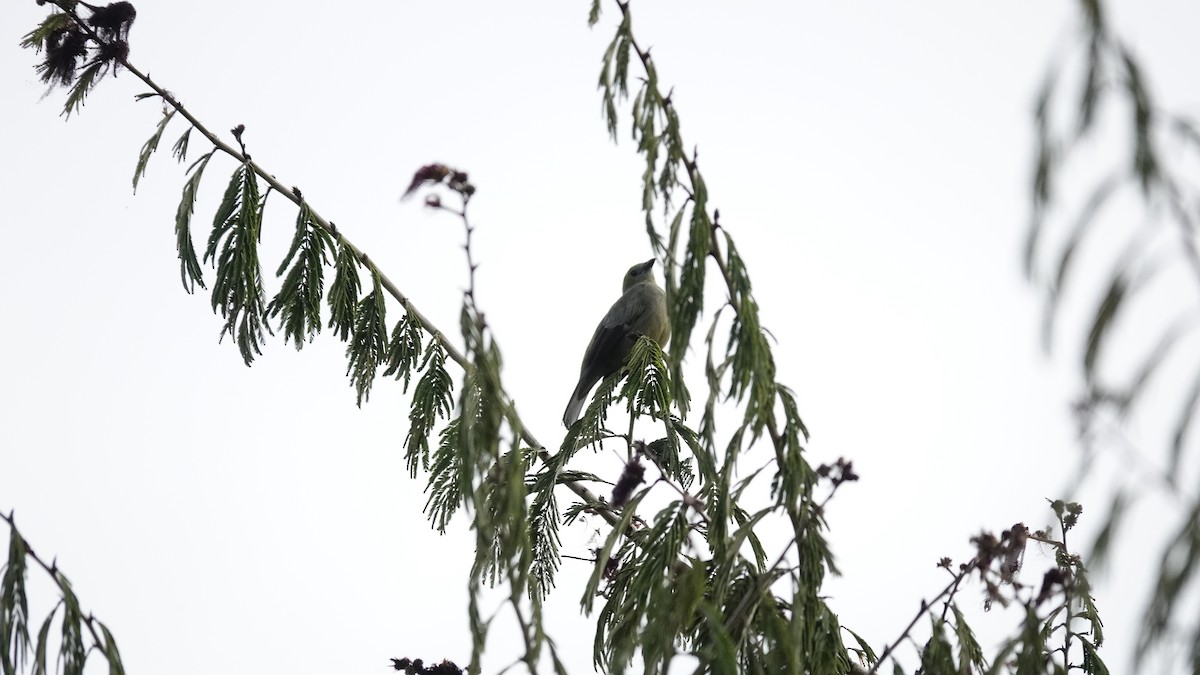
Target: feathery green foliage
x,y
180,148
39,38
237,292
82,87
432,401
14,609
445,481
544,521
298,302
80,633
367,350
190,272
647,390
404,350
343,293
152,144
650,584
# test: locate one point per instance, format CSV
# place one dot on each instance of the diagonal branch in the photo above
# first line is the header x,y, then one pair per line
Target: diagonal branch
x,y
926,606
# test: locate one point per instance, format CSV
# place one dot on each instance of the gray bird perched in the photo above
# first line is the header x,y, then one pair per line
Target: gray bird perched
x,y
641,310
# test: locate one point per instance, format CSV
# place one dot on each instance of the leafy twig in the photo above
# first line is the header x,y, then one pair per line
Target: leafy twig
x,y
52,569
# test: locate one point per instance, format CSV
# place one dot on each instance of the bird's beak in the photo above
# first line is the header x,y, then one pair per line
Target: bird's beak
x,y
647,265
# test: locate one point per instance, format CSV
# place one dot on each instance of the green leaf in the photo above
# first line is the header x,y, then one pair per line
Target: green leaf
x,y
14,606
621,71
1089,100
298,302
223,220
39,665
868,655
1045,164
189,268
647,388
1145,160
670,616
791,412
544,541
501,520
689,298
1105,314
608,99
1092,663
445,482
481,398
936,656
150,146
404,350
970,654
109,648
53,23
343,293
717,649
72,652
179,150
367,348
83,85
237,293
431,402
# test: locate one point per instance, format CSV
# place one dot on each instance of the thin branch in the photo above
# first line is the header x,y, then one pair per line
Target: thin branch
x,y
958,578
1066,587
950,589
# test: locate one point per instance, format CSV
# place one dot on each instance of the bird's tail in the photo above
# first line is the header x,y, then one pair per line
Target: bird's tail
x,y
577,400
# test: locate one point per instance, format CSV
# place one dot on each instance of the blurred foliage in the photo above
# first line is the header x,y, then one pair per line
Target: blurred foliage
x,y
1137,224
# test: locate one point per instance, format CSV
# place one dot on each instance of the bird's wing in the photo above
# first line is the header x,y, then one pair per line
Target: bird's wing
x,y
630,308
610,344
605,352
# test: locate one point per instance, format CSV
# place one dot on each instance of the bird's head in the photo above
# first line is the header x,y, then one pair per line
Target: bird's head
x,y
639,274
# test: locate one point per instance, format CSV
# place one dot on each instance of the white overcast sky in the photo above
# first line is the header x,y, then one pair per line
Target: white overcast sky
x,y
871,159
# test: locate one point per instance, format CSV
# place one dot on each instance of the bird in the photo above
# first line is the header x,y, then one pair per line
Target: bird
x,y
641,310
